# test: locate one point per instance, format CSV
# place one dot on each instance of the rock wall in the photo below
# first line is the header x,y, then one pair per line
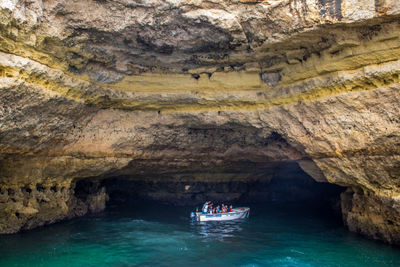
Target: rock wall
x,y
110,88
27,208
371,215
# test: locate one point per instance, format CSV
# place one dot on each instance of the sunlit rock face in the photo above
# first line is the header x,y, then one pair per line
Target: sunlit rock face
x,y
99,89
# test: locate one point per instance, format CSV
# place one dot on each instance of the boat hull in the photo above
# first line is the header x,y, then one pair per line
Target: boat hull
x,y
237,213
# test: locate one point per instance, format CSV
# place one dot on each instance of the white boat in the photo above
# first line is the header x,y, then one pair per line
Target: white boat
x,y
236,213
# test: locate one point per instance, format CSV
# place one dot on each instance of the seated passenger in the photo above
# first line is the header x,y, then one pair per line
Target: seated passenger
x,y
210,207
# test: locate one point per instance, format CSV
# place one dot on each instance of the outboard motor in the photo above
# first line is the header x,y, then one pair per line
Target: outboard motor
x,y
193,216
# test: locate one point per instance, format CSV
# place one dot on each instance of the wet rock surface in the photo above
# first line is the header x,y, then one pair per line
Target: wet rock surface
x,y
27,208
371,215
100,89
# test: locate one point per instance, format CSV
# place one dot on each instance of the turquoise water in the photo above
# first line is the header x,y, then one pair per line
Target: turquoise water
x,y
160,235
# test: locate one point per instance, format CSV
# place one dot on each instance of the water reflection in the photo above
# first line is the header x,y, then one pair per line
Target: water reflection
x,y
218,230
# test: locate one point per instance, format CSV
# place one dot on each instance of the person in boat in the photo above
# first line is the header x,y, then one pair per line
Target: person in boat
x,y
205,207
210,207
230,208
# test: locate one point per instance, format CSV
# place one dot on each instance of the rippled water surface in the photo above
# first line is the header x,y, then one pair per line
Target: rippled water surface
x,y
160,235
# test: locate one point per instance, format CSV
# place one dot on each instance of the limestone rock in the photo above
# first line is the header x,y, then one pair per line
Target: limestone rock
x,y
26,208
372,215
97,89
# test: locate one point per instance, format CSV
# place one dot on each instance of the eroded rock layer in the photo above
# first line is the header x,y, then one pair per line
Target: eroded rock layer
x,y
99,89
26,208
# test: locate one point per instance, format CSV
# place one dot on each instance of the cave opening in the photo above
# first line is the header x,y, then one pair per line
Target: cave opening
x,y
283,198
229,164
250,184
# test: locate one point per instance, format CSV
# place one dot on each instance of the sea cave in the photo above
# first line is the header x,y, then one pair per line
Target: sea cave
x,y
287,107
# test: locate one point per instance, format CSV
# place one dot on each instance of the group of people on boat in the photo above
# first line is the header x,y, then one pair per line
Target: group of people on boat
x,y
210,208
